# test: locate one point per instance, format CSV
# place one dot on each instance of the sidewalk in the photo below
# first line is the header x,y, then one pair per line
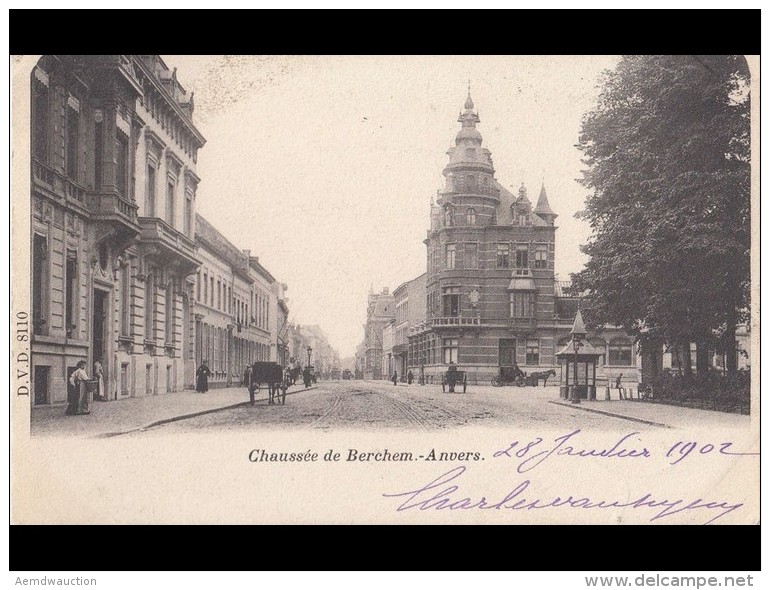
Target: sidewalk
x,y
130,414
660,414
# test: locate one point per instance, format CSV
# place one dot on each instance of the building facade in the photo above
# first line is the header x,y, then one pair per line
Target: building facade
x,y
114,241
492,298
380,311
410,313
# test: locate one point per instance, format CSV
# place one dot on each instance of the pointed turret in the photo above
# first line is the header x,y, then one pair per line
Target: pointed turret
x,y
578,328
543,209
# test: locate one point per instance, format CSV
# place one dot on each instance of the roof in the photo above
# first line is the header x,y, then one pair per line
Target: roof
x,y
542,207
585,349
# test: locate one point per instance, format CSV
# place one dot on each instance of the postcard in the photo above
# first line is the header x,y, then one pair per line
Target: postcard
x,y
385,289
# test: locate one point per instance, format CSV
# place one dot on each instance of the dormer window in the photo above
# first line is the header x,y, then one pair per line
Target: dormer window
x,y
523,218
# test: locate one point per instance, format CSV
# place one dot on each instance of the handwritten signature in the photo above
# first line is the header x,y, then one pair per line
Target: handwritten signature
x,y
444,493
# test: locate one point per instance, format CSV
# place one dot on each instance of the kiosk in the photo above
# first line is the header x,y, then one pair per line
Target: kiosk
x,y
577,361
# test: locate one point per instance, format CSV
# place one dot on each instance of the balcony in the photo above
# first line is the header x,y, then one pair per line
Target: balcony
x,y
455,321
169,246
56,185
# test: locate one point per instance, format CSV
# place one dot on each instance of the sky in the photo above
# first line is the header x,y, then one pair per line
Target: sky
x,y
324,166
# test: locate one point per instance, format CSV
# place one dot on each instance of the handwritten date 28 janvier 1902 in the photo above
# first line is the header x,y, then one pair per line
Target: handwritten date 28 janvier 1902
x,y
533,452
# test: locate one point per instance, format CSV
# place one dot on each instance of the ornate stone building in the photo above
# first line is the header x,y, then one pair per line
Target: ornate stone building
x,y
113,244
491,293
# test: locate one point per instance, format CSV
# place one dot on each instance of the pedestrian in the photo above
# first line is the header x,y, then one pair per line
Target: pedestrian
x,y
77,397
101,395
409,377
451,376
394,378
202,378
246,376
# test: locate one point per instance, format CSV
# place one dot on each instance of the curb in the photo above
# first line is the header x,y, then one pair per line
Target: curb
x,y
621,416
187,416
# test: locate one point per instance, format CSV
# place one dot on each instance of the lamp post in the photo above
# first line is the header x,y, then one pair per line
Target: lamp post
x,y
578,334
309,352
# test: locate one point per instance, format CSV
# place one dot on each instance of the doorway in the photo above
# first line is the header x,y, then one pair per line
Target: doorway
x,y
507,352
98,339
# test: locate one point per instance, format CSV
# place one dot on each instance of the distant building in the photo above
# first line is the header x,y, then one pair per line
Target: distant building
x,y
410,314
381,310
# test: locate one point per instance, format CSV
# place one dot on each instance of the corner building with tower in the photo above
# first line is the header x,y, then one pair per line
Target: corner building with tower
x,y
492,298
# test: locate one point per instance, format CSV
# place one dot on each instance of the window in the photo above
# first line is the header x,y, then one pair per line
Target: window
x,y
40,285
451,350
170,198
533,352
451,301
600,345
71,293
219,294
205,289
188,213
149,308
198,287
541,256
169,314
125,301
503,255
229,300
121,164
40,130
73,131
521,304
471,216
620,352
152,183
211,301
522,256
471,255
523,218
450,256
448,217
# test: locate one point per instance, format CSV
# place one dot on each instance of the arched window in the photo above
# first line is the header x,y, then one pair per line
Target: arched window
x,y
601,346
620,352
448,217
471,216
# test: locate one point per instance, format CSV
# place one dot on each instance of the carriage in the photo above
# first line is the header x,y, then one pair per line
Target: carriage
x,y
515,376
452,379
271,375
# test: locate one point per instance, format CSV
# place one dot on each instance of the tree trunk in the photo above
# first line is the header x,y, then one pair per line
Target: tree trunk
x,y
686,360
702,360
731,350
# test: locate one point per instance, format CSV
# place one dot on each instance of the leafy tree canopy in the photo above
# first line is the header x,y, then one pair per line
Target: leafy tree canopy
x,y
667,162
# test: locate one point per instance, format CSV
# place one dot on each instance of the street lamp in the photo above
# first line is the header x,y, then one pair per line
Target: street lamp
x,y
578,334
309,352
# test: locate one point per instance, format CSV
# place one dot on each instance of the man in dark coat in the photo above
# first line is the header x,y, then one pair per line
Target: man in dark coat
x,y
202,378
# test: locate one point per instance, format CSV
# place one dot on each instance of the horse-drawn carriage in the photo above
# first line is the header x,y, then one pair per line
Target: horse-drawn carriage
x,y
272,376
515,376
453,378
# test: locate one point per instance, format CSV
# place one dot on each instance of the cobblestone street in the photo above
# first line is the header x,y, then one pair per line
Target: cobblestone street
x,y
369,405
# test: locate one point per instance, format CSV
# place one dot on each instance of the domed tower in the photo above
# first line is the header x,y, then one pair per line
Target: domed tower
x,y
470,195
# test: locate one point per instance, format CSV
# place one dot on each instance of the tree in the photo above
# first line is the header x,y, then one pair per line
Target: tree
x,y
667,160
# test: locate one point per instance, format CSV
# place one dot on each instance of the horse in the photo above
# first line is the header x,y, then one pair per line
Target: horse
x,y
536,377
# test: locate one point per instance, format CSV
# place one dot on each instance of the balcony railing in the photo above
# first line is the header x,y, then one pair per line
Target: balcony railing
x,y
455,321
62,186
113,205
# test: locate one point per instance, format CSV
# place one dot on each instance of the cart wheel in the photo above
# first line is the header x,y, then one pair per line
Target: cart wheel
x,y
496,382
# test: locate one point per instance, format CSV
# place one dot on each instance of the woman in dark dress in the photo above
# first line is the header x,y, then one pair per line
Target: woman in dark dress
x,y
202,378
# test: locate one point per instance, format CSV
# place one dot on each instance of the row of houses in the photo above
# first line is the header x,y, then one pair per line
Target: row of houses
x,y
490,298
309,345
124,271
